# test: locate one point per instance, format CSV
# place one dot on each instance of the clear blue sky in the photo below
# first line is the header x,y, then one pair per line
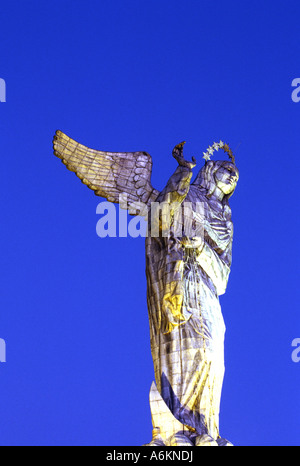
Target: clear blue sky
x,y
136,75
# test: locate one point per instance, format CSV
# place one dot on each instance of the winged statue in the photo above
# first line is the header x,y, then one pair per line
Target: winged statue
x,y
186,274
108,174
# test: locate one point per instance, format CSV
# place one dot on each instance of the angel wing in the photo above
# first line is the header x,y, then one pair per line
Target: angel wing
x,y
108,174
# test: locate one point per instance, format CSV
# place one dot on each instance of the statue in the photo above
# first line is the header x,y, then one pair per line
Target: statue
x,y
186,273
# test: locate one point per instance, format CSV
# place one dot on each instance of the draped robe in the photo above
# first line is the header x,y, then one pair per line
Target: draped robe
x,y
184,281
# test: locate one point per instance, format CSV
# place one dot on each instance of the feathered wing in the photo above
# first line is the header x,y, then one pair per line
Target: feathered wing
x,y
108,174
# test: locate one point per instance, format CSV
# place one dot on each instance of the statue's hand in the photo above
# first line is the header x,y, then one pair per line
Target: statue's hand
x,y
178,155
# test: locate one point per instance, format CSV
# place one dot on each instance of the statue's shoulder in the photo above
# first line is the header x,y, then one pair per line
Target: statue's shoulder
x,y
196,194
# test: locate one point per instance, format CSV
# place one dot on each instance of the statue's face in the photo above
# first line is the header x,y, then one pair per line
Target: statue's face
x,y
226,178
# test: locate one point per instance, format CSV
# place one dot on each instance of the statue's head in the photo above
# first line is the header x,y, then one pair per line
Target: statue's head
x,y
218,173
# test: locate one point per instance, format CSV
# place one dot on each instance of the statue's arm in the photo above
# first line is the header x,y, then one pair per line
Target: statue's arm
x,y
173,195
210,261
178,185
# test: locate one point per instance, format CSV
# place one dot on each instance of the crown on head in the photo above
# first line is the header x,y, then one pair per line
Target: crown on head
x,y
215,147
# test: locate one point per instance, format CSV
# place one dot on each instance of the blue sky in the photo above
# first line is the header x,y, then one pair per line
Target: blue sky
x,y
126,76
